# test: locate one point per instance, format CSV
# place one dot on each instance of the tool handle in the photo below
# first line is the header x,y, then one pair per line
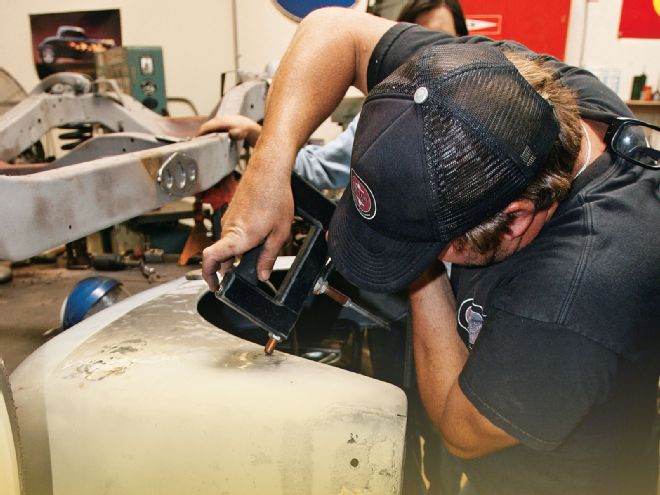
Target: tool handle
x,y
247,268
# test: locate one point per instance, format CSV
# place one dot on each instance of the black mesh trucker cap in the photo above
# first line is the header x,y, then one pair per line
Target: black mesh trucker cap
x,y
447,140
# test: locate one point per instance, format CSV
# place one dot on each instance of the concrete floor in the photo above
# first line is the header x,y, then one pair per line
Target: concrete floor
x,y
30,303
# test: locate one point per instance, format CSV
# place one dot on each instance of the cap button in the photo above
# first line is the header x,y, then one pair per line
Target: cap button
x,y
421,94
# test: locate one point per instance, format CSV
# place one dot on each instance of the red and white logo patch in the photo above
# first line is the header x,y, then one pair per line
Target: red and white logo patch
x,y
363,198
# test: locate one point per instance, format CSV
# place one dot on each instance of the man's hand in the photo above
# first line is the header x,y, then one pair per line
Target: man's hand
x,y
260,212
239,128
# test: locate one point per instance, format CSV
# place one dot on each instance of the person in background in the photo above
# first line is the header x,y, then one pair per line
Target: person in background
x,y
327,166
440,15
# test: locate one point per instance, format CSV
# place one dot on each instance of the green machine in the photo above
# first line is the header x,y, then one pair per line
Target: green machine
x,y
139,72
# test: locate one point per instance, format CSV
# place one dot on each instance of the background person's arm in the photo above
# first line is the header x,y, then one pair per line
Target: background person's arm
x,y
325,166
239,128
329,52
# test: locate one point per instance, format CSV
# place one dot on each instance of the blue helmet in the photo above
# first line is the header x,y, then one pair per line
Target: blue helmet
x,y
89,296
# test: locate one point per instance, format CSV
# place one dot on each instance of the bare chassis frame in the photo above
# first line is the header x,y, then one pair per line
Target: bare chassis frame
x,y
145,163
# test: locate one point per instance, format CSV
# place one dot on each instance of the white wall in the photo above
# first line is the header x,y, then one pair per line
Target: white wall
x,y
593,43
197,39
263,36
197,42
196,36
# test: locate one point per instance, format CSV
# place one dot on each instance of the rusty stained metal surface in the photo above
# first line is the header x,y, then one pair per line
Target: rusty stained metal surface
x,y
109,145
61,205
80,100
248,98
153,399
29,120
55,206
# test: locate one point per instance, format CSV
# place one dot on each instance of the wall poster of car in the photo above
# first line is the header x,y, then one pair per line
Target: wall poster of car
x,y
67,41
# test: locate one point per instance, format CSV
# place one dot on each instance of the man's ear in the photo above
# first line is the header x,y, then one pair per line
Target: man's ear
x,y
522,214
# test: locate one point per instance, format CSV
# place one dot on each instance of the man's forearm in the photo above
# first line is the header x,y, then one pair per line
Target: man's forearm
x,y
440,355
439,352
329,52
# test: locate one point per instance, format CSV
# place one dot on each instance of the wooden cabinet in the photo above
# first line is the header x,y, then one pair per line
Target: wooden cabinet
x,y
648,111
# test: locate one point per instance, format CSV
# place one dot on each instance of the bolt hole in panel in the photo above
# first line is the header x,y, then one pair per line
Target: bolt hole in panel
x,y
178,175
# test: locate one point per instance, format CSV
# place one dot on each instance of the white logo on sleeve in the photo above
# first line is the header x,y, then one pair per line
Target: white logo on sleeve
x,y
471,318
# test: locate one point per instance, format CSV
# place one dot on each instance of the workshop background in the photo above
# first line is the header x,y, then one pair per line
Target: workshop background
x,y
204,39
197,39
199,42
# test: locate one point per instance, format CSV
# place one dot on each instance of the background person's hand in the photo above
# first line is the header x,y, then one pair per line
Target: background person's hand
x,y
261,211
239,128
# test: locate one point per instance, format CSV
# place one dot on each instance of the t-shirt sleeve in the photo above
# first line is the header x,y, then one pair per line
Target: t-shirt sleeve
x,y
535,380
402,41
328,166
591,93
396,46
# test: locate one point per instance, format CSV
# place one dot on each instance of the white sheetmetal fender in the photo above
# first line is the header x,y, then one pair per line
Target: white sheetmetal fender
x,y
148,397
10,481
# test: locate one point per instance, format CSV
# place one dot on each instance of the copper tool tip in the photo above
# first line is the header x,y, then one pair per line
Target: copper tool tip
x,y
270,346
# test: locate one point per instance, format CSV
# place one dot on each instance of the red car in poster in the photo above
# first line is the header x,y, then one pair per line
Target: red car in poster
x,y
71,42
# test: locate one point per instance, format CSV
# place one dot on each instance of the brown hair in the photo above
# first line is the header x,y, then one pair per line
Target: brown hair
x,y
415,8
554,181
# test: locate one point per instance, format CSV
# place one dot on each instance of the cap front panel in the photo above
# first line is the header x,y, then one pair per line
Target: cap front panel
x,y
389,175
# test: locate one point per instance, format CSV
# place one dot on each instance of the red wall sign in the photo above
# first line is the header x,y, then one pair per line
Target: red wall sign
x,y
541,26
640,19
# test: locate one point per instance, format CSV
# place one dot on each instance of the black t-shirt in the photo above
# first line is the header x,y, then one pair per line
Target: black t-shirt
x,y
565,353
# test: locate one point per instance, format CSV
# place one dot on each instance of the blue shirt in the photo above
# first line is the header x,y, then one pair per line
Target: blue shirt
x,y
328,166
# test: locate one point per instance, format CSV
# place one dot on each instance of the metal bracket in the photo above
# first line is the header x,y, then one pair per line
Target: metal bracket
x,y
178,175
277,314
64,82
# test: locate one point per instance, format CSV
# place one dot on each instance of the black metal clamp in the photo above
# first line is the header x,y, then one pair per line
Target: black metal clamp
x,y
277,314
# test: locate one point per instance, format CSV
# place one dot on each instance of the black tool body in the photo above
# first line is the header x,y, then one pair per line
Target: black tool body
x,y
277,313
